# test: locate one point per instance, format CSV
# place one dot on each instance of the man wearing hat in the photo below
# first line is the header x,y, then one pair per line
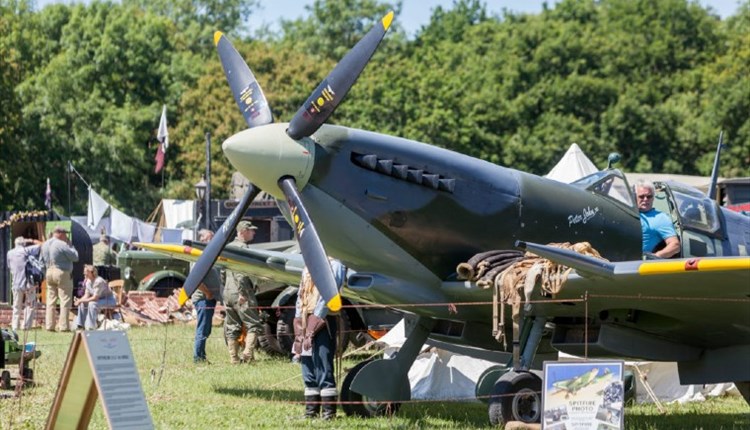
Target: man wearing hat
x,y
241,304
102,253
59,255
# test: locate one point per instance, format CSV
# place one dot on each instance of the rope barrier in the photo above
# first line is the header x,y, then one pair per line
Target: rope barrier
x,y
170,338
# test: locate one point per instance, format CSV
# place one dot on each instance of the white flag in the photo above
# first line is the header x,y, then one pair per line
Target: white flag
x,y
163,134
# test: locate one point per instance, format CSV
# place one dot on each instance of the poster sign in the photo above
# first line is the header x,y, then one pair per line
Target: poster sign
x,y
100,365
583,395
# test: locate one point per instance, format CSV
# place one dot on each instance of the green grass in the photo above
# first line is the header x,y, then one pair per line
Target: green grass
x,y
268,394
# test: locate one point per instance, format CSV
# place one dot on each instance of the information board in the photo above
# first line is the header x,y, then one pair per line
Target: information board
x,y
100,364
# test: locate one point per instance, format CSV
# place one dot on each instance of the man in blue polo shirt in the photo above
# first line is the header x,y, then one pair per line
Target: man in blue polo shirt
x,y
656,225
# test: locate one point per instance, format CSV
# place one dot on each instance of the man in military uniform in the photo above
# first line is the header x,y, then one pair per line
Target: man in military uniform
x,y
241,304
103,254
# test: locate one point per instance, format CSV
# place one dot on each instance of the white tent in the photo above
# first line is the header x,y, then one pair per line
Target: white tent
x,y
572,166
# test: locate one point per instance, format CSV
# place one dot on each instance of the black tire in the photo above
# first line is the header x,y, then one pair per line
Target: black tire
x,y
516,397
354,404
165,287
285,329
28,377
268,341
5,380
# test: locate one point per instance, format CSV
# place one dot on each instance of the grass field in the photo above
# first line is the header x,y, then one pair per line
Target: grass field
x,y
182,395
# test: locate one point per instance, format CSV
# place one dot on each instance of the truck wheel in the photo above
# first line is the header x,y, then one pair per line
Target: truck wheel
x,y
268,341
5,380
165,287
285,330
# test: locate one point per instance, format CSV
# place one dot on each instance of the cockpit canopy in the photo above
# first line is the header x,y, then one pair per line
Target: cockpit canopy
x,y
695,209
609,183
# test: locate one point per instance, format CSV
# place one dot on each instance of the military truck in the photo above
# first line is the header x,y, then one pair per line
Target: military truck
x,y
150,271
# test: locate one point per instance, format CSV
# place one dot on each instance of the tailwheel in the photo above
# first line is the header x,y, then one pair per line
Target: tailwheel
x,y
516,397
358,405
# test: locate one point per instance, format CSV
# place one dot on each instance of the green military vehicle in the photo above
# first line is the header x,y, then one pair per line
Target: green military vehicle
x,y
150,271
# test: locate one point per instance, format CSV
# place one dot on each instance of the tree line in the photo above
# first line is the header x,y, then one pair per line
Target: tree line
x,y
654,81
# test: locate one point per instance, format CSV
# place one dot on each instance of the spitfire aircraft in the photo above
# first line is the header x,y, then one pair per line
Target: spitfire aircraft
x,y
402,214
571,386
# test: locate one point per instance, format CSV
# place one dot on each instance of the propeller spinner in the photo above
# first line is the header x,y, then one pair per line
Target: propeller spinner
x,y
279,163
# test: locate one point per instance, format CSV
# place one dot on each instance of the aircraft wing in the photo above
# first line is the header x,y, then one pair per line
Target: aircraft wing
x,y
275,262
695,311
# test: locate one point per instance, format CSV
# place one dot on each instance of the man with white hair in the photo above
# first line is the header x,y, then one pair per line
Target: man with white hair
x,y
24,292
656,225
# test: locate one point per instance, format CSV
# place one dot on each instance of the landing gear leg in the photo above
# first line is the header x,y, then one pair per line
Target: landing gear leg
x,y
386,380
517,395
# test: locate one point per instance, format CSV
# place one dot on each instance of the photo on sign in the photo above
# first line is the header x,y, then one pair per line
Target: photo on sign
x,y
583,395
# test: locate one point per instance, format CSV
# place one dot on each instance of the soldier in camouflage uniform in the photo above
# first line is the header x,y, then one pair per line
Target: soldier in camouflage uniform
x,y
241,304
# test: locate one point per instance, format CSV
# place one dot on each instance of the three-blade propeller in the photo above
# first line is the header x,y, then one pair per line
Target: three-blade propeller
x,y
311,115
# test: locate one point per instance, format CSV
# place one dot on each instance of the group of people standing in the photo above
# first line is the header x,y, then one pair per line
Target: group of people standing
x,y
58,256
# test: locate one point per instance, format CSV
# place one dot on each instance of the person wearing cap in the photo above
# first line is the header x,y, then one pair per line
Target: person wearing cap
x,y
241,304
59,255
103,254
24,292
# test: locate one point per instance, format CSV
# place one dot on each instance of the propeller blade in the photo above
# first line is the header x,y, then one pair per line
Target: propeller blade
x,y
324,100
312,249
245,88
212,251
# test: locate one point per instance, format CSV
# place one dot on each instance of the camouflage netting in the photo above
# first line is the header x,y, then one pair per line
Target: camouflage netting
x,y
513,272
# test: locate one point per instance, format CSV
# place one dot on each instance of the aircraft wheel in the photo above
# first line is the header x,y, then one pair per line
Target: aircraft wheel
x,y
516,397
5,380
357,405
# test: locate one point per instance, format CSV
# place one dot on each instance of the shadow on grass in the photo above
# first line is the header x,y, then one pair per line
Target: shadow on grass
x,y
263,394
420,414
688,421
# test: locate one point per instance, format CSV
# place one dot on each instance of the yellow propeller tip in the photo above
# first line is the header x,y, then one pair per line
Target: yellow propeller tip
x,y
387,20
217,36
183,297
335,303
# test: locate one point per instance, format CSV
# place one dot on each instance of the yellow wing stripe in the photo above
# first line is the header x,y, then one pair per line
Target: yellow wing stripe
x,y
703,264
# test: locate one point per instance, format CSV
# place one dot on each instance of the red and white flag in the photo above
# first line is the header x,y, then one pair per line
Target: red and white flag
x,y
163,137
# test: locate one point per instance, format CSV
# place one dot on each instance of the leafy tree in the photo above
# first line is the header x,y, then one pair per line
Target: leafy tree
x,y
335,26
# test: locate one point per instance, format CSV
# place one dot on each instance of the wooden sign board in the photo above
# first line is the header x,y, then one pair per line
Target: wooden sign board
x,y
100,364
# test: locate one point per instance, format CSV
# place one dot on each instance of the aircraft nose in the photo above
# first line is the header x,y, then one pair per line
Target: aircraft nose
x,y
265,154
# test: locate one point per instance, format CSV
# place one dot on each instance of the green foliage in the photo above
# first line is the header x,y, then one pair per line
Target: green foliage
x,y
334,26
655,81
